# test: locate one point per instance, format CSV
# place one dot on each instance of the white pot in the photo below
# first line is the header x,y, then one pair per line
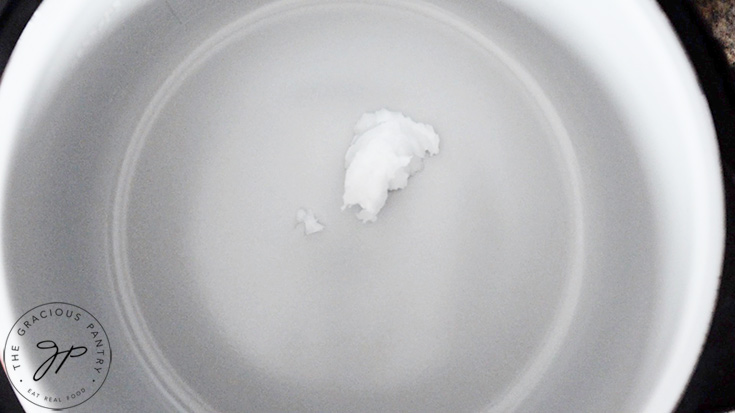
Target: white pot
x,y
561,253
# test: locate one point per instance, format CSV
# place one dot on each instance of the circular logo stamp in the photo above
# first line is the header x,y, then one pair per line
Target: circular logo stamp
x,y
57,355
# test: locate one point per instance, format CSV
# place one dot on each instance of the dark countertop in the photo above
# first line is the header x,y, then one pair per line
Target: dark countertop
x,y
720,14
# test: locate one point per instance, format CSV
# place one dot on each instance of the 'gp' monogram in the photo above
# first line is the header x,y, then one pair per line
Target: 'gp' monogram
x,y
49,344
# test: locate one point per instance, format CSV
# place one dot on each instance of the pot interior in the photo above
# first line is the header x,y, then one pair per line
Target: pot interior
x,y
560,253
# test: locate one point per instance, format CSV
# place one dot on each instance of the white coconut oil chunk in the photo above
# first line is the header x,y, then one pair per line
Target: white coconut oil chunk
x,y
388,147
308,219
